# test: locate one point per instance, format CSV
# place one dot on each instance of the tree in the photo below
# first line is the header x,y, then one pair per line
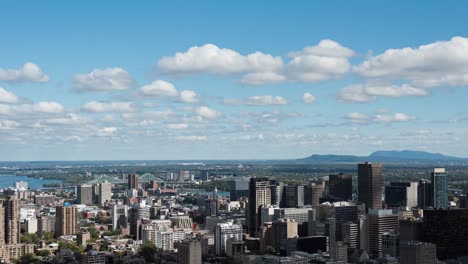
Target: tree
x,y
28,259
270,250
43,252
71,246
147,251
30,238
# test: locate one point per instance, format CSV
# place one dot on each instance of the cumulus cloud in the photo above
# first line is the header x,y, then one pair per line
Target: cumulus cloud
x,y
361,93
30,72
177,126
209,58
258,100
69,119
102,107
103,80
206,112
308,98
436,64
326,60
361,118
160,88
106,131
192,138
397,117
189,96
7,97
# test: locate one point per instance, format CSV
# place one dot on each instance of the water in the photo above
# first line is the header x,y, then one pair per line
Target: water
x,y
33,183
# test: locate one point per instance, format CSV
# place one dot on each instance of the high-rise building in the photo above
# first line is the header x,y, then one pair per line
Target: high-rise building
x,y
425,194
380,221
390,244
259,195
9,221
447,229
415,252
277,193
238,188
211,207
133,181
189,252
105,192
411,230
340,186
350,234
225,231
440,188
85,194
65,220
313,192
294,196
119,216
283,229
370,184
21,186
45,223
401,194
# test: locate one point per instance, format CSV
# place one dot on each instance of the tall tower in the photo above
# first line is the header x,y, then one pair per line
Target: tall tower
x,y
10,226
340,186
370,184
425,194
84,194
439,187
380,221
259,195
105,192
65,222
133,181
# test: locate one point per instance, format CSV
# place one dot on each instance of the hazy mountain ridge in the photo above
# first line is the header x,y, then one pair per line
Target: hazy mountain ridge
x,y
387,156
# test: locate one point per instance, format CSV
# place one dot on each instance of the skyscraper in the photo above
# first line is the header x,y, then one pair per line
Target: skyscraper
x,y
370,183
238,188
225,231
65,220
439,188
259,195
313,192
277,193
340,186
425,194
133,181
415,252
105,192
189,252
294,196
399,194
9,220
448,230
380,221
84,194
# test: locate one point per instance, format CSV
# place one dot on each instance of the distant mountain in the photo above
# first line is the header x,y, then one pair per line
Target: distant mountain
x,y
387,156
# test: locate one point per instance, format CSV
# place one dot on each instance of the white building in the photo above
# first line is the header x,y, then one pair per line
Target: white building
x,y
225,231
31,225
165,240
105,192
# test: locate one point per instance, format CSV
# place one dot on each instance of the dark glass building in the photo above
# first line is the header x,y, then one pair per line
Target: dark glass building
x,y
370,184
448,229
425,196
340,186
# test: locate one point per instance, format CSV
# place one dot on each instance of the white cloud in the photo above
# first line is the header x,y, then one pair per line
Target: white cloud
x,y
106,131
70,119
159,88
397,117
102,107
30,72
206,112
177,126
192,138
103,80
210,58
356,117
7,97
361,93
189,96
361,118
258,100
326,60
308,98
436,64
8,124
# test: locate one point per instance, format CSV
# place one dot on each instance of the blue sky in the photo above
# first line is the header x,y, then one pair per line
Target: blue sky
x,y
239,80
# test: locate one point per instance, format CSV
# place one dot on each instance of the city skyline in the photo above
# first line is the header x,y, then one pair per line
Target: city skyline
x,y
193,81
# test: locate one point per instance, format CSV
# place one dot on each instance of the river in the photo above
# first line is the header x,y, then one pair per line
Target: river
x,y
33,183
